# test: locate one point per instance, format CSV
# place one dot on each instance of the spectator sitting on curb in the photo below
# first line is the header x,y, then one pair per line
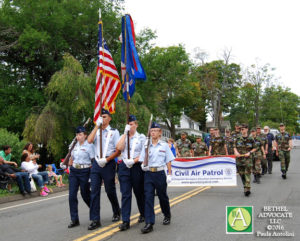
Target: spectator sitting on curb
x,y
6,155
17,174
40,177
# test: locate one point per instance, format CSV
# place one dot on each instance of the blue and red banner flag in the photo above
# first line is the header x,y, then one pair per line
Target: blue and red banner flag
x,y
131,66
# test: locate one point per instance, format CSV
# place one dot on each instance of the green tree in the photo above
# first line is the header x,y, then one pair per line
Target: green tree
x,y
219,83
258,76
280,105
70,102
168,89
35,34
11,139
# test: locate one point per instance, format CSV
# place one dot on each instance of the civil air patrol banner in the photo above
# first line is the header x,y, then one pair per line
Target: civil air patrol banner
x,y
204,171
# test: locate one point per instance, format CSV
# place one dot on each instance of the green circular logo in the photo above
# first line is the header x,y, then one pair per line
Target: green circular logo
x,y
239,219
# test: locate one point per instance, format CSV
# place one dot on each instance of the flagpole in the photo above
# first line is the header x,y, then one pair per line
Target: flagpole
x,y
101,83
127,89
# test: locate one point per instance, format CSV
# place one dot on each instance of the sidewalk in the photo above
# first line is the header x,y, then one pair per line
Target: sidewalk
x,y
18,197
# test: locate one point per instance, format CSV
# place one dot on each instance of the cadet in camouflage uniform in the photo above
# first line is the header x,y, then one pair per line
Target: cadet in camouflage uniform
x,y
283,147
217,144
244,146
199,147
264,140
257,156
229,140
184,146
237,130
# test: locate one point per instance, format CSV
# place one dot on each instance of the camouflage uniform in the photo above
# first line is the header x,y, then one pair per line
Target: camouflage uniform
x,y
257,156
184,147
282,140
217,145
264,161
229,140
235,134
244,164
200,149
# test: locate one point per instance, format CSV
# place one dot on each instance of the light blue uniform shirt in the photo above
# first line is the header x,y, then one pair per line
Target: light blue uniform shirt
x,y
140,140
82,154
113,140
159,155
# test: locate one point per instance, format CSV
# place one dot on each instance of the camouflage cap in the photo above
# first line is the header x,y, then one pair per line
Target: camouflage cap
x,y
253,130
198,137
237,124
244,126
184,133
258,127
281,124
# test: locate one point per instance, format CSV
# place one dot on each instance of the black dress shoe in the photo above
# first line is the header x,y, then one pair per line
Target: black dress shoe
x,y
124,226
115,218
141,219
166,221
23,194
148,228
73,224
247,193
94,224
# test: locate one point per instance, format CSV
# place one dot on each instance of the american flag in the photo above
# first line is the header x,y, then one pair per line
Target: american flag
x,y
110,82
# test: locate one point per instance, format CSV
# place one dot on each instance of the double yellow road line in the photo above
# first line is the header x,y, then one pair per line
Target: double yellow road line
x,y
108,231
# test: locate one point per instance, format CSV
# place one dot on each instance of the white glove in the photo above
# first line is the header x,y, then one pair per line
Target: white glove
x,y
62,166
169,179
129,162
99,121
127,128
101,161
145,169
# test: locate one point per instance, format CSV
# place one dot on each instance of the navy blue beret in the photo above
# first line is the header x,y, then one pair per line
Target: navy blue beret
x,y
104,111
132,118
155,125
80,129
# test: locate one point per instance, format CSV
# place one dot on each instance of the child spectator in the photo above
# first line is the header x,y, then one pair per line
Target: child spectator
x,y
57,178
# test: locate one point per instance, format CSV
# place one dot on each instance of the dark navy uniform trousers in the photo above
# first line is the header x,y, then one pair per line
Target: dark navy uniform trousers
x,y
107,174
155,180
78,178
131,178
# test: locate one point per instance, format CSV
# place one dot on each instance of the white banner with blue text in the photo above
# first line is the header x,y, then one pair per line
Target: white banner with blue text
x,y
204,171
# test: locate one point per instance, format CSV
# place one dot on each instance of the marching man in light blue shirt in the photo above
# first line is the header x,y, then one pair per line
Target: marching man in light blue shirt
x,y
104,168
160,155
131,176
80,166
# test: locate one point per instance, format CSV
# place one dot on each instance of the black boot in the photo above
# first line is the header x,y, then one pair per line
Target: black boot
x,y
283,174
255,178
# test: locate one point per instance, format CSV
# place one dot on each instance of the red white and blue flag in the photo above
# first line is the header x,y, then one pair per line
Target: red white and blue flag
x,y
110,84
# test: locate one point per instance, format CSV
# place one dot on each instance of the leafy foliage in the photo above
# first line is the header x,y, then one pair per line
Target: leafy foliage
x,y
11,139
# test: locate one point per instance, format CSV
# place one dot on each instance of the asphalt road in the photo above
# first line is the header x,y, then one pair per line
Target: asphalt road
x,y
197,213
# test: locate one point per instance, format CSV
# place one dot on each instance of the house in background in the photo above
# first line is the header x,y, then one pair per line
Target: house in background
x,y
224,125
191,127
